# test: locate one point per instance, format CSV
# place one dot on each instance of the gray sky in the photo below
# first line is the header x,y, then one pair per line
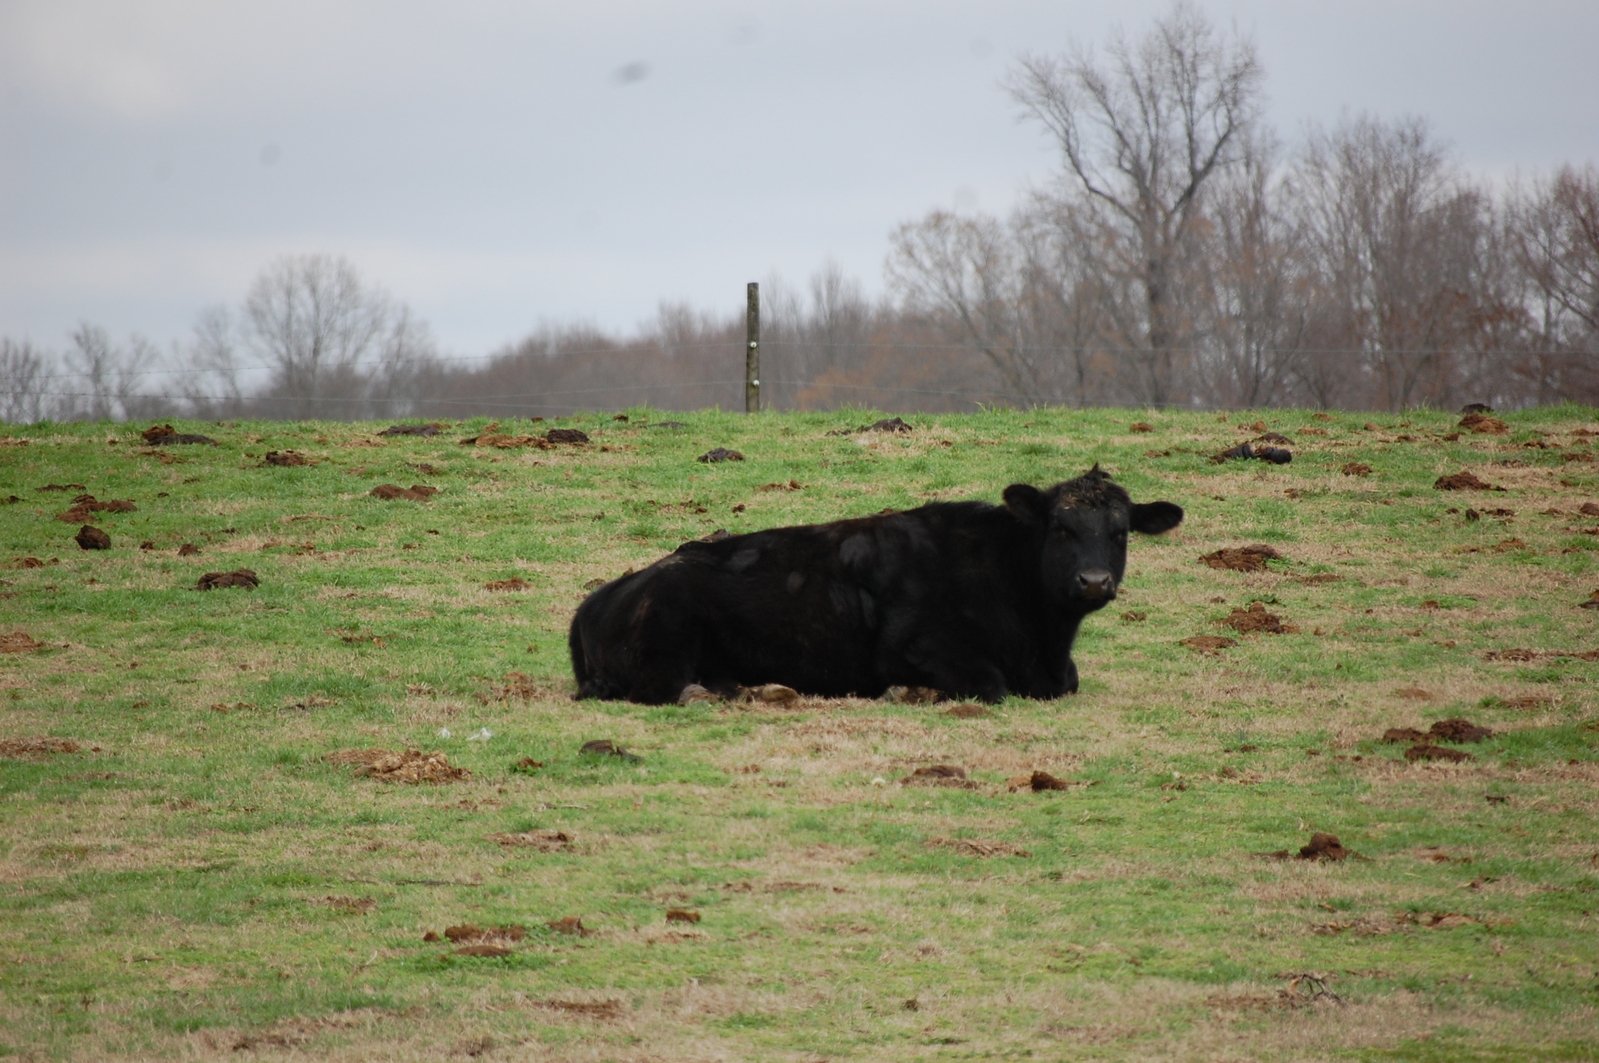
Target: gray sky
x,y
501,165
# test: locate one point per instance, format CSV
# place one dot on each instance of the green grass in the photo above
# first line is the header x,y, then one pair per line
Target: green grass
x,y
198,880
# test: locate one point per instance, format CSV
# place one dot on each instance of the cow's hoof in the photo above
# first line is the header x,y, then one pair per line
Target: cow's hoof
x,y
901,695
771,694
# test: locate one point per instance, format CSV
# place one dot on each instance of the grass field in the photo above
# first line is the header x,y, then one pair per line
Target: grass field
x,y
346,814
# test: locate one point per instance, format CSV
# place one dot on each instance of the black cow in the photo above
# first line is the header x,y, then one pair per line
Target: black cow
x,y
968,598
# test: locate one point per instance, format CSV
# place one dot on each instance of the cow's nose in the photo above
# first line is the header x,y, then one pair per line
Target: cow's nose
x,y
1097,585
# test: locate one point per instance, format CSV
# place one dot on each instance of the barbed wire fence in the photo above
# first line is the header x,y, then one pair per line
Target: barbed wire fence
x,y
444,385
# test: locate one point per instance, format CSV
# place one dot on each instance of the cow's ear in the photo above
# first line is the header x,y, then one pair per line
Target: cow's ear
x,y
1027,503
1152,518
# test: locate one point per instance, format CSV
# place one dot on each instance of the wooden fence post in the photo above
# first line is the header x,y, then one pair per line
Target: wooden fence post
x,y
752,349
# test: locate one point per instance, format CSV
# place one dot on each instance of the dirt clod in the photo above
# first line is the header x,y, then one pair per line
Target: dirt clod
x,y
720,454
286,458
566,435
1242,558
1324,846
515,583
241,577
91,538
1356,468
682,915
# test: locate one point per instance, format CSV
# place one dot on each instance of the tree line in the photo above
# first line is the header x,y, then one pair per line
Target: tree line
x,y
1179,255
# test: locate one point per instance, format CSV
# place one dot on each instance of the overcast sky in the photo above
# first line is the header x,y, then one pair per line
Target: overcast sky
x,y
502,165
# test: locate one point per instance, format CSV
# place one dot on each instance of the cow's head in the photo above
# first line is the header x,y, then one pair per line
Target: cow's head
x,y
1085,524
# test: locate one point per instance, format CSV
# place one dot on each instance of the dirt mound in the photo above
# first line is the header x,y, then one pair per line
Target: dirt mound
x,y
36,748
545,841
416,492
1482,424
939,775
287,458
18,642
1242,558
515,583
1256,619
240,577
1463,481
1356,468
1324,846
1459,730
162,435
408,766
83,505
720,454
1039,781
1209,644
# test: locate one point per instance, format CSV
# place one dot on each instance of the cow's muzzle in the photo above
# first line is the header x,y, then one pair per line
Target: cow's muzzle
x,y
1096,585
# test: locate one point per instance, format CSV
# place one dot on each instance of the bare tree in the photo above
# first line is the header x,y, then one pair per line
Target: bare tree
x,y
1397,239
1259,291
964,272
333,343
1140,137
214,386
1554,234
22,377
106,379
811,336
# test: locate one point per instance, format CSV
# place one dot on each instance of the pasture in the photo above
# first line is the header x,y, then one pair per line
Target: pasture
x,y
344,808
